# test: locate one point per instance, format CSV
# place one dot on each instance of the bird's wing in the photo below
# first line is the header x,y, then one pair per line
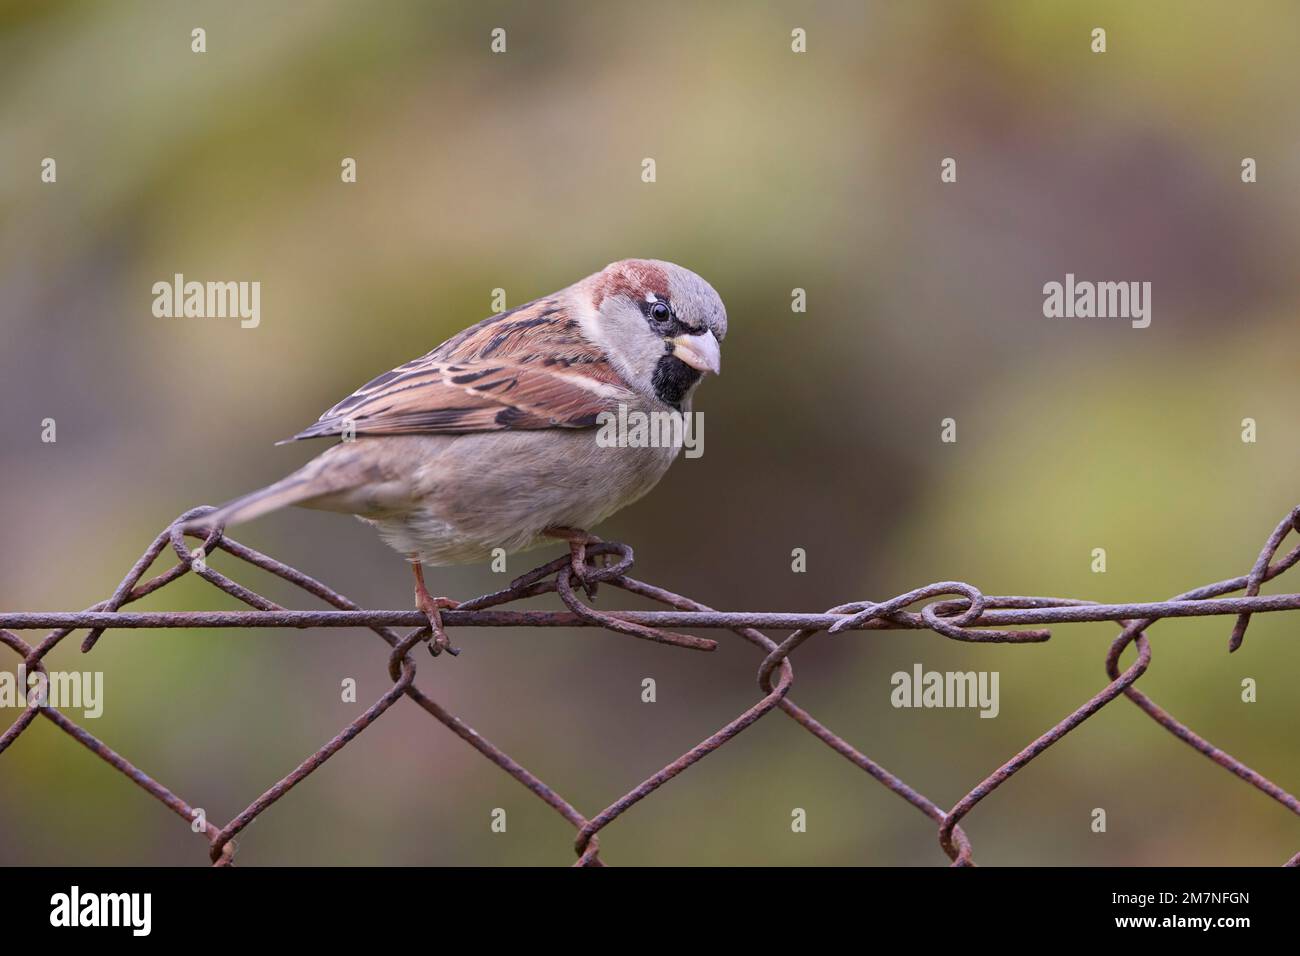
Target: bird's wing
x,y
524,369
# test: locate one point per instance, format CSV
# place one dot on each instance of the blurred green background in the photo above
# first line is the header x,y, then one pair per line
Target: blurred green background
x,y
775,171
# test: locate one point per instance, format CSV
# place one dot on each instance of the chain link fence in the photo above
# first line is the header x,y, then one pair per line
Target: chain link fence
x,y
953,609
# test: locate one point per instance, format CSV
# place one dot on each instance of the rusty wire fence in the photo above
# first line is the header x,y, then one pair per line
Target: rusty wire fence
x,y
954,609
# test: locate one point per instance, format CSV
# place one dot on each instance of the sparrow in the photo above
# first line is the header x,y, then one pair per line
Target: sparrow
x,y
490,440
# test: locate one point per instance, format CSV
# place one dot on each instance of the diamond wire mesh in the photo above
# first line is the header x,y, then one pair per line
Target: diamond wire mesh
x,y
970,616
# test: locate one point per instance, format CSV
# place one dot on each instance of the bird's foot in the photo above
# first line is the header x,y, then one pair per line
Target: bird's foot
x,y
578,541
432,606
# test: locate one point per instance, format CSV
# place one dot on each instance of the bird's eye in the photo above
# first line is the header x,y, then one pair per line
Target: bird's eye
x,y
660,312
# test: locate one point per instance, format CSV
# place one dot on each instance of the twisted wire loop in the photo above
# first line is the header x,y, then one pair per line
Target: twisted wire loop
x,y
951,609
1261,572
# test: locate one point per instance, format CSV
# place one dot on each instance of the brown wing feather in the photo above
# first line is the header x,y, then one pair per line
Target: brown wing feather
x,y
524,369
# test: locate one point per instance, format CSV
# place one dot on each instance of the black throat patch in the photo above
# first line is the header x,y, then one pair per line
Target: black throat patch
x,y
673,378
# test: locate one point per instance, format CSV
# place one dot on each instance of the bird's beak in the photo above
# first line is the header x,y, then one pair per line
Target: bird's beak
x,y
699,351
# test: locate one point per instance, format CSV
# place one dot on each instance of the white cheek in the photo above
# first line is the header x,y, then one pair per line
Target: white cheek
x,y
589,321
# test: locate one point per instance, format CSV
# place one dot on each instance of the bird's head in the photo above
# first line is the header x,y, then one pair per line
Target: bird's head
x,y
660,325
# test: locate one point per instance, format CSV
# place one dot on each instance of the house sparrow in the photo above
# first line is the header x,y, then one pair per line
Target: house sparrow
x,y
489,441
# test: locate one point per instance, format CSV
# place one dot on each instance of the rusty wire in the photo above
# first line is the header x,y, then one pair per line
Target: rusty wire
x,y
954,609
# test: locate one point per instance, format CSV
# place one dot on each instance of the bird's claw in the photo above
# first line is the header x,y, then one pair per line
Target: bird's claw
x,y
442,643
581,569
438,639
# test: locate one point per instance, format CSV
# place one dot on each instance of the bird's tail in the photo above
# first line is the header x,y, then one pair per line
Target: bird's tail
x,y
321,478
